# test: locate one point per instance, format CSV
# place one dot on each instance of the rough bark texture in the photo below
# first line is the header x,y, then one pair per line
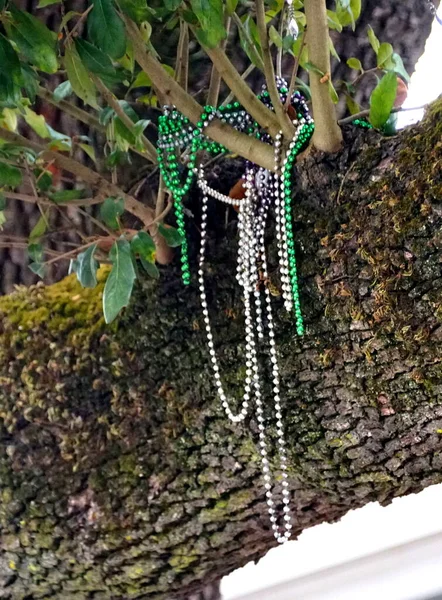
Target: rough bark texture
x,y
121,477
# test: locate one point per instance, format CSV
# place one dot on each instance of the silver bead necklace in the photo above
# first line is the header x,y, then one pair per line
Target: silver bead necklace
x,y
261,187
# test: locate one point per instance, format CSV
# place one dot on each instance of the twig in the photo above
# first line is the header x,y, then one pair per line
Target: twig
x,y
96,222
365,113
47,202
327,136
295,72
78,23
112,101
182,62
257,58
71,253
280,49
215,77
238,143
285,124
144,213
244,76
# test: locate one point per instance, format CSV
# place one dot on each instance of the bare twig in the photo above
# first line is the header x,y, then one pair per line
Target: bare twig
x,y
327,136
285,124
144,213
215,77
112,101
238,143
295,71
182,62
366,113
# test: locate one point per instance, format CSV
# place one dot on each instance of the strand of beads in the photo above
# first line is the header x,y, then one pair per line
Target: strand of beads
x,y
251,227
251,359
300,140
170,172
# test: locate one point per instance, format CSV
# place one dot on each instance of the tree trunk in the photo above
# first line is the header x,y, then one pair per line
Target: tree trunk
x,y
120,475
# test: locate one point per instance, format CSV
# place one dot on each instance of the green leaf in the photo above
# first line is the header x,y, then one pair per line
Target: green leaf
x,y
30,81
333,21
110,210
137,10
34,40
10,95
150,268
66,196
333,51
106,29
141,80
333,93
90,151
143,246
171,235
119,284
311,67
44,3
172,4
2,219
80,79
38,268
10,176
39,228
9,62
399,67
375,43
384,55
354,63
275,37
35,252
348,12
44,180
86,267
231,6
94,59
382,100
62,91
210,15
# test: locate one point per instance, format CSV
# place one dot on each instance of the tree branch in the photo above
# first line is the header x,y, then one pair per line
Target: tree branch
x,y
182,63
215,77
112,101
238,143
144,213
327,136
285,124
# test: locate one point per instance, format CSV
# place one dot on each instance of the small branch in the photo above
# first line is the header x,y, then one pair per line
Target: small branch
x,y
112,101
72,110
144,213
281,35
215,77
238,143
244,76
295,72
256,56
47,202
327,136
366,113
286,126
182,62
69,254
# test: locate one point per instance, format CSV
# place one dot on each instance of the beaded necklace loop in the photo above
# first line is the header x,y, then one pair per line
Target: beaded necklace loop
x,y
263,190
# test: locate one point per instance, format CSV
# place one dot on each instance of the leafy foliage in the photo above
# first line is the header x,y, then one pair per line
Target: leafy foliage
x,y
106,57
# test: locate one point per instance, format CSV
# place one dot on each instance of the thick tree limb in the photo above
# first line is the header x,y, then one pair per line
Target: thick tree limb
x,y
120,475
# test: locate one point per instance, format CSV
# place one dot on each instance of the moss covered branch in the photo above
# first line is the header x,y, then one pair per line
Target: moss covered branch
x,y
120,475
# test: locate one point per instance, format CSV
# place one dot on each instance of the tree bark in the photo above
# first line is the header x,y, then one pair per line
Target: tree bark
x,y
121,477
